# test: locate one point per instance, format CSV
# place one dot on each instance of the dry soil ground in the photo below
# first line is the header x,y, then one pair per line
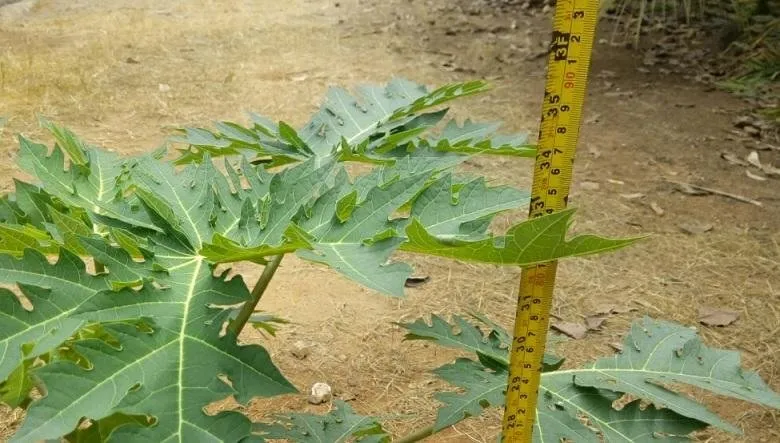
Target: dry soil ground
x,y
121,73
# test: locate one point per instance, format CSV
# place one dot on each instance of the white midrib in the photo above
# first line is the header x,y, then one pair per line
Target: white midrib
x,y
180,384
100,190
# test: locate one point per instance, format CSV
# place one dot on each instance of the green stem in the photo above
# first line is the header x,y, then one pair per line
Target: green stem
x,y
416,436
99,267
257,293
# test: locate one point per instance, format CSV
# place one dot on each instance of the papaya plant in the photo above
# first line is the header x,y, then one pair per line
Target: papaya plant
x,y
115,325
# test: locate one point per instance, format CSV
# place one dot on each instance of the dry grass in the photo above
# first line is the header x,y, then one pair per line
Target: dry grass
x,y
75,62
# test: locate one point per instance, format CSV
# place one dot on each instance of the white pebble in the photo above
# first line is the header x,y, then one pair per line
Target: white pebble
x,y
320,393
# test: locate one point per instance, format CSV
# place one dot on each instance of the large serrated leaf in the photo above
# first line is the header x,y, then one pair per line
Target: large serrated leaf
x,y
54,291
93,186
560,420
170,373
341,425
655,353
227,223
360,246
376,110
375,120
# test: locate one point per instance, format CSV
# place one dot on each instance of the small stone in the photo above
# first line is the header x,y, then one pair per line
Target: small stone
x,y
659,211
320,393
301,349
695,228
163,87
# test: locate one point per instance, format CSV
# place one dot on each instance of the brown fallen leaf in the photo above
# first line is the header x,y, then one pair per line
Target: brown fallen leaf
x,y
413,282
594,322
695,229
573,330
717,317
733,159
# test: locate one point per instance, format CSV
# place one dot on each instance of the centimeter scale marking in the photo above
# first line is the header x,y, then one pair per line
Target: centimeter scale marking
x,y
574,27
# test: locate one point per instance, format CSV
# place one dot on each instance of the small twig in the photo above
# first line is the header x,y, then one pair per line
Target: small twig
x,y
257,293
721,193
416,436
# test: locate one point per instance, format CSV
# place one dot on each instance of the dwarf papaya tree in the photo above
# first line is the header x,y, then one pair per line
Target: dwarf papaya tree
x,y
114,325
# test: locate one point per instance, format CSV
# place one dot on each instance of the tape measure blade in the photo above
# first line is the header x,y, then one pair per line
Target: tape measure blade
x,y
567,71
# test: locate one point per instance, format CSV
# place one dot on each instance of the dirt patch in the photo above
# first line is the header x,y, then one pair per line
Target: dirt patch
x,y
122,73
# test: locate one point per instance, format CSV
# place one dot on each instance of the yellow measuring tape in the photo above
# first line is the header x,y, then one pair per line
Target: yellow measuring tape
x,y
564,95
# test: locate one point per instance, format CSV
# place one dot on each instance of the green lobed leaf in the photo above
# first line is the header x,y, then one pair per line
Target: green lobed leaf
x,y
480,138
459,335
375,111
168,371
171,371
481,388
531,242
67,230
216,217
374,120
560,419
352,247
54,290
95,186
656,354
231,139
447,208
341,425
68,141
